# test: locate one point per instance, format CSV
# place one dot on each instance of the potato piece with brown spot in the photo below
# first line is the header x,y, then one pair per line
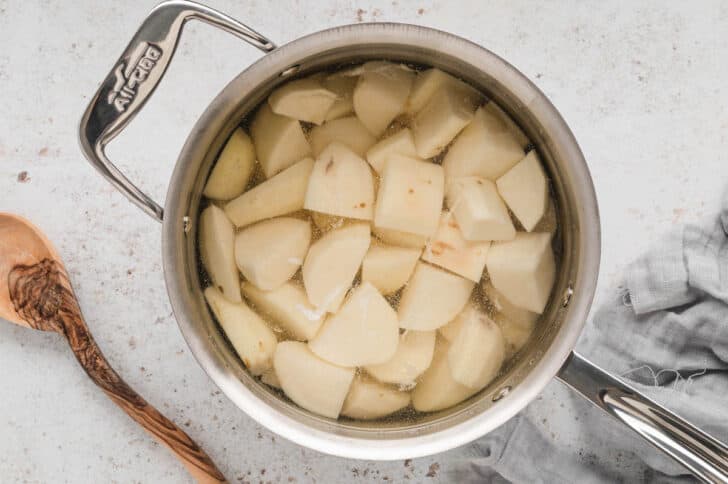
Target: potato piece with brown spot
x,y
341,184
252,339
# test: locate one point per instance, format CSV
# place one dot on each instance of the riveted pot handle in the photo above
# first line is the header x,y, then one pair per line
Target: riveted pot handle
x,y
134,78
703,455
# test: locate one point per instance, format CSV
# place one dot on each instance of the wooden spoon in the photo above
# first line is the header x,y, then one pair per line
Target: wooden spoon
x,y
35,291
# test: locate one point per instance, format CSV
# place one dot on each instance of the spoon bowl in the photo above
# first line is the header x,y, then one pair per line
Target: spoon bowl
x,y
35,292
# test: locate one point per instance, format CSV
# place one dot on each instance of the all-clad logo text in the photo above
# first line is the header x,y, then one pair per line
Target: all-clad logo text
x,y
131,75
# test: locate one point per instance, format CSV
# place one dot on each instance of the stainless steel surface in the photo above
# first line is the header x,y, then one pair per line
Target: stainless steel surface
x,y
702,454
578,240
135,76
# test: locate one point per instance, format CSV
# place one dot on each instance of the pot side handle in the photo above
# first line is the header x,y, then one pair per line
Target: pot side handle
x,y
702,454
133,80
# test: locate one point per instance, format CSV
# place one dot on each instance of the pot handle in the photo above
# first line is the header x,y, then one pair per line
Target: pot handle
x,y
702,454
134,78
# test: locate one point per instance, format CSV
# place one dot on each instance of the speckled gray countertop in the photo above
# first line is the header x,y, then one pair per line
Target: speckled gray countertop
x,y
643,88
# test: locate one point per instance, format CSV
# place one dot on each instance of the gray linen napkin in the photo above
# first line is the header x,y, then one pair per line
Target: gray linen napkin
x,y
665,330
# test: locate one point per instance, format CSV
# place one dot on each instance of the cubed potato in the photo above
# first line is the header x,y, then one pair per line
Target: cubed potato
x,y
270,378
514,129
449,250
280,195
348,131
217,249
388,267
479,210
288,307
233,168
523,269
412,358
341,183
381,93
400,143
486,148
433,80
369,400
437,389
279,141
400,239
516,336
410,196
312,383
451,329
343,87
507,309
252,339
363,332
525,190
432,297
440,121
326,222
478,350
332,263
303,99
270,252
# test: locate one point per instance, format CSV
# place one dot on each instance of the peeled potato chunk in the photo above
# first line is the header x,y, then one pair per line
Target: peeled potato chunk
x,y
429,82
523,269
381,93
514,129
437,124
312,383
217,249
332,263
412,358
451,329
369,400
432,298
400,143
410,196
233,168
252,339
347,131
479,210
388,267
478,350
507,309
486,148
343,87
437,389
449,250
279,140
303,99
341,183
363,332
270,252
279,195
287,306
401,239
515,323
525,190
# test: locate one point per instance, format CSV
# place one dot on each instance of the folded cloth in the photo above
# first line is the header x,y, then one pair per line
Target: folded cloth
x,y
665,331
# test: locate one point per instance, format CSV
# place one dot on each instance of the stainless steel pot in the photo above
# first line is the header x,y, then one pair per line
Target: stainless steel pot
x,y
549,353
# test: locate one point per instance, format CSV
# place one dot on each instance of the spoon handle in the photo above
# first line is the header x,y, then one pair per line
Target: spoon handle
x,y
43,296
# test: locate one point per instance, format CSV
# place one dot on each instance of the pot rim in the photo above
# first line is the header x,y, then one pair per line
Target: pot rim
x,y
478,424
